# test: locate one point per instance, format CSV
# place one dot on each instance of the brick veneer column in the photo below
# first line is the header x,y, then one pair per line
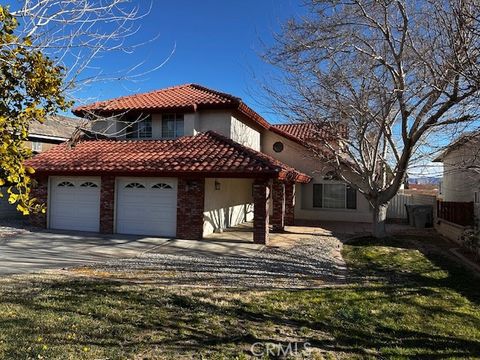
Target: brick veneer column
x,y
278,214
289,203
260,212
107,204
190,208
40,192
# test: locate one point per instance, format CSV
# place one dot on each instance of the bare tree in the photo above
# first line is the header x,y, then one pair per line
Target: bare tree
x,y
399,75
59,40
74,33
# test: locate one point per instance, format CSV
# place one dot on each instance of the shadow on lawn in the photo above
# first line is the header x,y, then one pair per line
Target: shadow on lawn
x,y
122,320
393,271
159,321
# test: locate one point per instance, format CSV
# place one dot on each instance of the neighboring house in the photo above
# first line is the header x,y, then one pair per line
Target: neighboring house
x,y
461,169
460,186
42,137
55,130
184,162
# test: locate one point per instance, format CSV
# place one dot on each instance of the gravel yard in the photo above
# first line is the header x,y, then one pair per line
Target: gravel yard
x,y
302,258
308,263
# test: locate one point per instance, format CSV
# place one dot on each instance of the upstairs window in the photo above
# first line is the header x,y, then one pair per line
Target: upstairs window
x,y
172,126
140,128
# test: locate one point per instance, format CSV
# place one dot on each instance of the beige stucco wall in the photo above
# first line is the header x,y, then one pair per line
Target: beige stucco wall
x,y
191,123
460,183
229,206
216,120
296,156
244,134
225,123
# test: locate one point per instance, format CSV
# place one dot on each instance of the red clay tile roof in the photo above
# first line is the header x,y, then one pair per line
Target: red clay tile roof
x,y
302,132
207,154
189,97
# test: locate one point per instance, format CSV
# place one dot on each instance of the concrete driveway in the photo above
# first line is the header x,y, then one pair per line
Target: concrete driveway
x,y
33,251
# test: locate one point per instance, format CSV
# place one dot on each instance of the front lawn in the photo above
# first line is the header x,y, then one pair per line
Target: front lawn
x,y
402,303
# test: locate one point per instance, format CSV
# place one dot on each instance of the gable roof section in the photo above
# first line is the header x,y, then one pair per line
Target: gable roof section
x,y
457,143
208,154
306,131
189,97
56,126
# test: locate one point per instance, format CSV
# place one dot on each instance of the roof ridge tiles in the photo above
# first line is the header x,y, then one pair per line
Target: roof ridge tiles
x,y
188,97
220,93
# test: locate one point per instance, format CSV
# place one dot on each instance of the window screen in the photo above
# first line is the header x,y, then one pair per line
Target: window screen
x,y
334,196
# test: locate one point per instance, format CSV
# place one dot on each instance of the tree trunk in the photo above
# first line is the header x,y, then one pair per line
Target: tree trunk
x,y
379,221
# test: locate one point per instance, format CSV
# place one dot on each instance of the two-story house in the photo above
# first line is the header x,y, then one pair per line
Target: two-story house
x,y
184,162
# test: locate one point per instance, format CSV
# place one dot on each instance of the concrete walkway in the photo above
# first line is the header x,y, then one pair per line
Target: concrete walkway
x,y
33,251
304,229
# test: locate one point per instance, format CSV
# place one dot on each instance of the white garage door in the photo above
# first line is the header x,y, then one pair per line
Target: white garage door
x,y
75,203
147,206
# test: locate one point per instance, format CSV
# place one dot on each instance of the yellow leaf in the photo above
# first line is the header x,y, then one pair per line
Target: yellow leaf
x,y
13,198
23,210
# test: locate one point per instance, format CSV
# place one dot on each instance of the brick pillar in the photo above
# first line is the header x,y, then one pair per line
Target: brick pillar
x,y
289,203
260,212
107,204
278,214
40,193
190,208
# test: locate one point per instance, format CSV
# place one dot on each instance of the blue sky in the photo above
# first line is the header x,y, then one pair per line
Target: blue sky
x,y
216,43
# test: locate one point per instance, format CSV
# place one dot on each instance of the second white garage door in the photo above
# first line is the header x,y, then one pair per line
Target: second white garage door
x,y
147,206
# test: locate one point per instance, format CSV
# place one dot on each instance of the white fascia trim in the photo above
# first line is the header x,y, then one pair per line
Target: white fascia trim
x,y
47,137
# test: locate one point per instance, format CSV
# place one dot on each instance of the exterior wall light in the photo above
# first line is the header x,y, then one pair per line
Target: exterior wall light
x,y
217,184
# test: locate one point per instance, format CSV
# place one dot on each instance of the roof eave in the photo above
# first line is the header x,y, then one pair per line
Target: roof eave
x,y
284,175
294,176
155,173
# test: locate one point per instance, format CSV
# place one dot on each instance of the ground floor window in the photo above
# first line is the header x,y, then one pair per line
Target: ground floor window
x,y
334,196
